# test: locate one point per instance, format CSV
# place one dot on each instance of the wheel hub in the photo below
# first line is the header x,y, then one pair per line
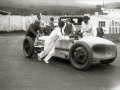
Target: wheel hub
x,y
80,55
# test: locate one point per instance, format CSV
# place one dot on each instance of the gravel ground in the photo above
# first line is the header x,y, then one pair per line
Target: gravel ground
x,y
20,73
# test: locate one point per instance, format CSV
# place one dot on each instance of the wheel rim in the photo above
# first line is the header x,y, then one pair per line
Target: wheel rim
x,y
27,47
80,56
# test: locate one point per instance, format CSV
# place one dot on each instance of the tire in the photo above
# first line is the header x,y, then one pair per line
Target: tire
x,y
81,56
109,60
28,47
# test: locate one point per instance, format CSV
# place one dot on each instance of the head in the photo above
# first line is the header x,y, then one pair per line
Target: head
x,y
85,19
61,24
39,17
37,22
68,20
52,19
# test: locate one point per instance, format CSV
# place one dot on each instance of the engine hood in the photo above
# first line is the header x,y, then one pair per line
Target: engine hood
x,y
91,40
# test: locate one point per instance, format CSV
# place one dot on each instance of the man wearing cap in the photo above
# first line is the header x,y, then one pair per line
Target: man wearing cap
x,y
33,28
51,23
87,27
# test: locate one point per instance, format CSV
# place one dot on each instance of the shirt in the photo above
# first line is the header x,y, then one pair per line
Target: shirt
x,y
88,28
55,35
68,29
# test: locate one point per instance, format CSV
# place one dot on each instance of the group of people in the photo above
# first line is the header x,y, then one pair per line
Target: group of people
x,y
64,29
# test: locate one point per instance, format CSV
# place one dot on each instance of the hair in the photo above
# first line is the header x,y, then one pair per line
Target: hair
x,y
51,18
61,24
86,17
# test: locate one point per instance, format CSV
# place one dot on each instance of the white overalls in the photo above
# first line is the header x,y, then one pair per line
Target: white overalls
x,y
49,47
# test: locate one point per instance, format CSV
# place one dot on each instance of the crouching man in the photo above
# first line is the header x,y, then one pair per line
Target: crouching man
x,y
32,30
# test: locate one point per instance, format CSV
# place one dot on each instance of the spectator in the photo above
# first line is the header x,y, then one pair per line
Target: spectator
x,y
51,23
87,27
100,32
39,17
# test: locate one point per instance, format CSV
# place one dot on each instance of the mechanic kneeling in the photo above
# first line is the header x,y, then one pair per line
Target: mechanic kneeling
x,y
32,30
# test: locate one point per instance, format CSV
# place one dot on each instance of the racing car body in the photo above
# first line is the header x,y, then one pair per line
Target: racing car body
x,y
81,53
102,49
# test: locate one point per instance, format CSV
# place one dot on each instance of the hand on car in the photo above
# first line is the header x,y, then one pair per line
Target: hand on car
x,y
71,40
37,35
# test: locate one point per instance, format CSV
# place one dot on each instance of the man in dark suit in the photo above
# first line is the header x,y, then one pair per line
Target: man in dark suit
x,y
100,32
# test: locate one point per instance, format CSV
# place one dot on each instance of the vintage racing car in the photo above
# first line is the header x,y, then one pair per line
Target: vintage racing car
x,y
81,53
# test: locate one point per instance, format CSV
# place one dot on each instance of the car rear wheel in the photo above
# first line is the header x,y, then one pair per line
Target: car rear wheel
x,y
28,47
81,56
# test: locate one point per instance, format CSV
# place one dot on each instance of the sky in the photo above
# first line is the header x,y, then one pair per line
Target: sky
x,y
96,2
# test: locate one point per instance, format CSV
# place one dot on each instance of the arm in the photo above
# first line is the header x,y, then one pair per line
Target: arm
x,y
82,27
63,29
64,37
74,28
41,30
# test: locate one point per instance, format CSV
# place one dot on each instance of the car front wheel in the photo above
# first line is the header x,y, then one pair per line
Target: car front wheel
x,y
28,47
81,55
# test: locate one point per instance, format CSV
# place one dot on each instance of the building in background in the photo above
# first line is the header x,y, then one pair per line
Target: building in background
x,y
108,19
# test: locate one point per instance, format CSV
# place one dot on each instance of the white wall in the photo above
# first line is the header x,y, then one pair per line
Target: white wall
x,y
4,23
17,22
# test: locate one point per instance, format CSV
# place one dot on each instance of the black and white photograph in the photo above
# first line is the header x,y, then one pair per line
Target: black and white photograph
x,y
59,44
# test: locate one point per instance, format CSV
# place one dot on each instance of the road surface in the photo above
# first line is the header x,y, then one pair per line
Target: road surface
x,y
20,73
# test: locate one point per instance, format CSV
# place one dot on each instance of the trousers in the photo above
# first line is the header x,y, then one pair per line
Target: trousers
x,y
49,49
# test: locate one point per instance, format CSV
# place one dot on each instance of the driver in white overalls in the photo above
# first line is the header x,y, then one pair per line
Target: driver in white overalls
x,y
49,47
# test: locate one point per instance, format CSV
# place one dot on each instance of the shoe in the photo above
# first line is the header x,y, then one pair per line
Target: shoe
x,y
39,57
46,61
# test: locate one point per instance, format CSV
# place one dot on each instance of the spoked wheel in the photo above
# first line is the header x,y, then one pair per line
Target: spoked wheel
x,y
28,47
81,56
